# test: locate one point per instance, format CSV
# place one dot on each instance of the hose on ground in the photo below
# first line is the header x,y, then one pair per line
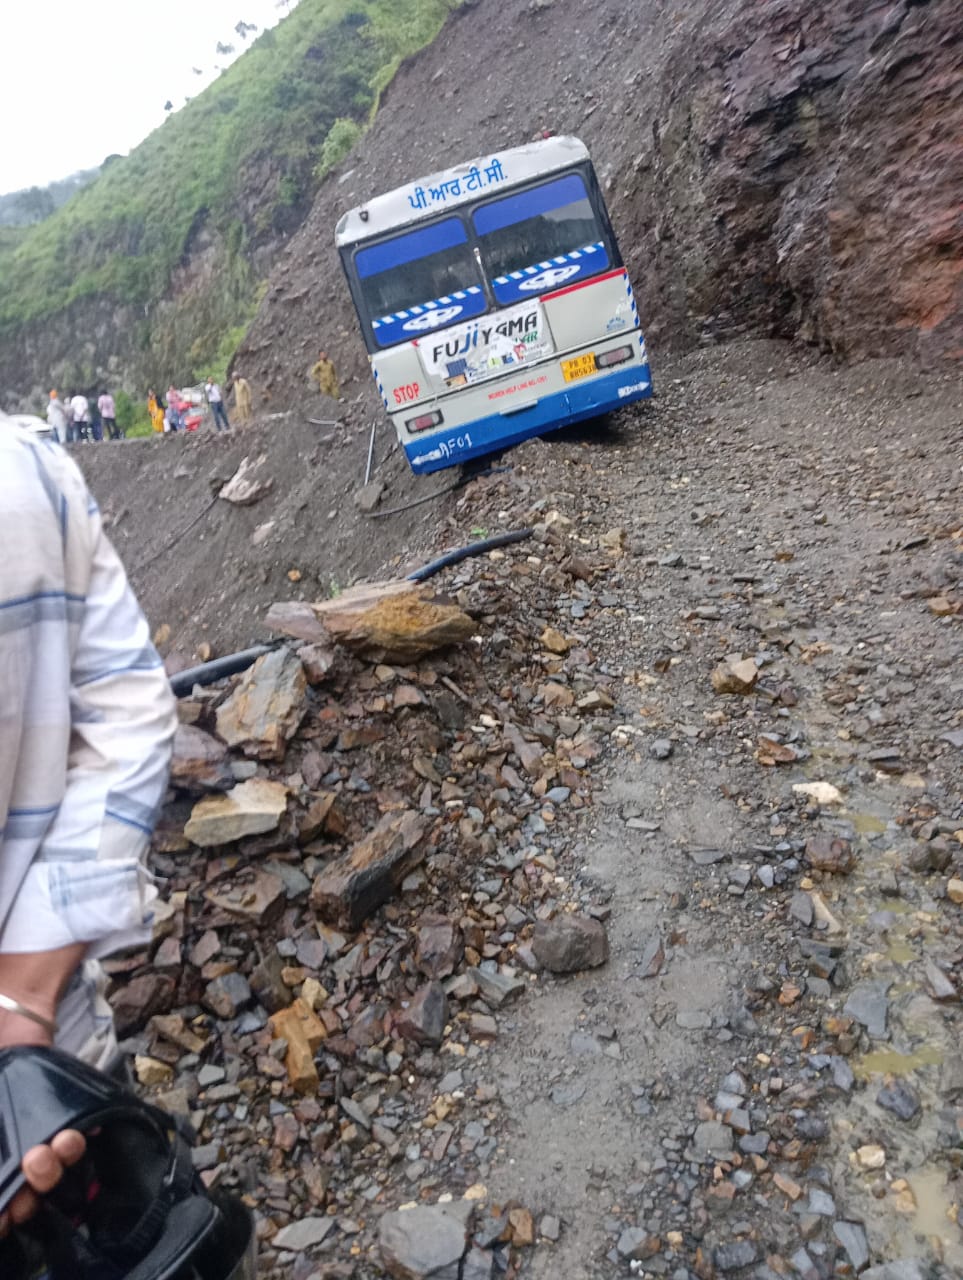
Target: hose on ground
x,y
463,553
207,672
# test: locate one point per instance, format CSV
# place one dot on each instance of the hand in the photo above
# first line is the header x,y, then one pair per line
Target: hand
x,y
44,1165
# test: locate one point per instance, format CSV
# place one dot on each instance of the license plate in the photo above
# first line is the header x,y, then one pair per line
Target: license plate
x,y
578,367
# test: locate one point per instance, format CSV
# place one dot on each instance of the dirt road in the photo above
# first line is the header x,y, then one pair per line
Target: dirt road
x,y
772,507
733,646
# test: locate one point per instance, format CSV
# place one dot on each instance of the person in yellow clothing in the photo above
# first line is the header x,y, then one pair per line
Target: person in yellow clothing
x,y
326,377
156,411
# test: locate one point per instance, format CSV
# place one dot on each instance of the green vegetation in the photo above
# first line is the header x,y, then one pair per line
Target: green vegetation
x,y
236,168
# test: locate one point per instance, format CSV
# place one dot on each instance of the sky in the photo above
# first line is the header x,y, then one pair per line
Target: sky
x,y
83,79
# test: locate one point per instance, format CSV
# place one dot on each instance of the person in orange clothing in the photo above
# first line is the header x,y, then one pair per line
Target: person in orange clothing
x,y
156,410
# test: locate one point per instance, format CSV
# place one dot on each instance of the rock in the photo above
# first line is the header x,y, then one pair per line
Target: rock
x,y
638,1244
385,621
707,857
368,496
830,853
425,1017
522,1227
138,1001
303,1033
801,908
496,988
940,986
303,1234
427,1241
267,706
550,1228
711,1141
568,944
900,1099
479,1264
324,815
151,1073
200,762
954,891
260,900
317,661
660,749
870,1156
735,1256
868,1004
823,793
735,677
439,946
554,641
245,487
354,885
852,1236
251,808
226,996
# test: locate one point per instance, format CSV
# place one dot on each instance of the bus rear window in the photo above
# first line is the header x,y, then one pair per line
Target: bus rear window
x,y
539,239
419,281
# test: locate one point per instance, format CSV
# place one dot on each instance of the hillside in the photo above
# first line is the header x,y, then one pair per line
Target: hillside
x,y
779,170
152,271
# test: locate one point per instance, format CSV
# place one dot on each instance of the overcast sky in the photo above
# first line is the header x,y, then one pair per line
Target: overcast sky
x,y
82,79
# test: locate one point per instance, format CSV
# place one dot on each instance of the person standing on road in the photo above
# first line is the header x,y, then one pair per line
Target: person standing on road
x,y
242,399
155,408
87,720
108,414
57,418
80,417
216,401
325,374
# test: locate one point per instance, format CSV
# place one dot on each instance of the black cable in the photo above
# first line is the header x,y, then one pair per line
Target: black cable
x,y
176,538
472,549
182,682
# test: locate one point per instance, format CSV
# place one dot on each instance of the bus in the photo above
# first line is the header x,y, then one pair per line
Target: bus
x,y
494,303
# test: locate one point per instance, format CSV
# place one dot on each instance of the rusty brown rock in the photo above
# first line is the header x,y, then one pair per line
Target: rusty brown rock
x,y
735,677
323,815
140,1000
304,1033
353,886
267,706
439,946
200,762
830,853
385,621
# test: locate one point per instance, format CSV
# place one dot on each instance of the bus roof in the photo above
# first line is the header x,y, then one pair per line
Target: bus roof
x,y
459,185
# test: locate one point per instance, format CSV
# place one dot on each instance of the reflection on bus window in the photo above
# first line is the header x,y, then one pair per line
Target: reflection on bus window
x,y
419,280
540,238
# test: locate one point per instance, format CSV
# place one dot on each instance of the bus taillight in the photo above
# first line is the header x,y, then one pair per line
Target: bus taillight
x,y
618,356
425,420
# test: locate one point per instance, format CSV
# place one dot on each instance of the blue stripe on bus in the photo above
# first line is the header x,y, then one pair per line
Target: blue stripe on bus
x,y
587,398
421,322
543,276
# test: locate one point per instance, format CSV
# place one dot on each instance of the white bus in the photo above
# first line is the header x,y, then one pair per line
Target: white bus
x,y
494,303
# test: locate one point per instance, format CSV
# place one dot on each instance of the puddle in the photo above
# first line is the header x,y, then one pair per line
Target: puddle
x,y
889,1062
900,953
865,824
936,1213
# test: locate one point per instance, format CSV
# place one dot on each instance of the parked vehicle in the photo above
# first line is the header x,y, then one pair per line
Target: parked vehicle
x,y
494,302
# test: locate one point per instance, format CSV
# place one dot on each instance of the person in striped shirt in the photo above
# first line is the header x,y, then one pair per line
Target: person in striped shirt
x,y
87,720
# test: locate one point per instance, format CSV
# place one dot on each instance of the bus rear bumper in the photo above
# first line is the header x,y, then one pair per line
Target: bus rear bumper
x,y
580,400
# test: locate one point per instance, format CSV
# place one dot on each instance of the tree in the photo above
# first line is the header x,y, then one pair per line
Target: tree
x,y
223,49
244,28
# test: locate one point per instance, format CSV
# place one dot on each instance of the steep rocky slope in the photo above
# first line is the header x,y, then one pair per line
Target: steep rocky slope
x,y
777,169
